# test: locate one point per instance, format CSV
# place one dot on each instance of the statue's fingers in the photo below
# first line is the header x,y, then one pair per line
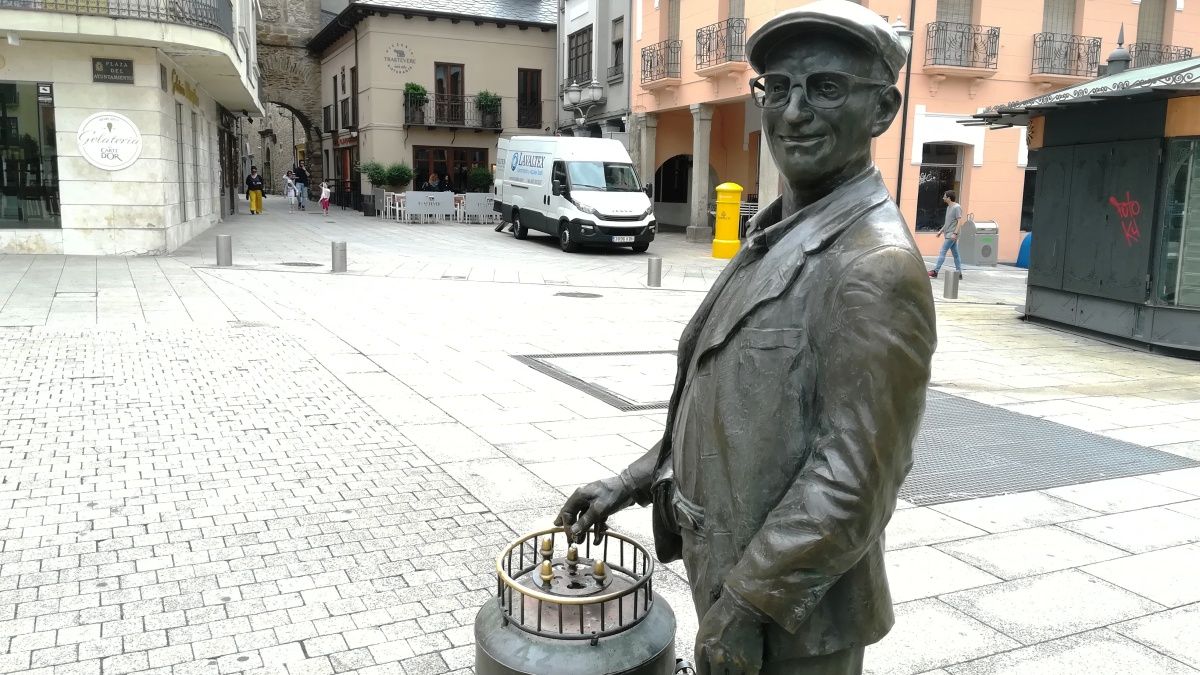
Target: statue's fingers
x,y
601,532
579,531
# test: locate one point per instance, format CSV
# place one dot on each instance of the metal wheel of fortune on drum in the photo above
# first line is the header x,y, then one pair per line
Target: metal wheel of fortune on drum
x,y
566,609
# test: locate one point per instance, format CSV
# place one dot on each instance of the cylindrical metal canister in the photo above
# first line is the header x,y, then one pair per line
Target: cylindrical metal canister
x,y
590,611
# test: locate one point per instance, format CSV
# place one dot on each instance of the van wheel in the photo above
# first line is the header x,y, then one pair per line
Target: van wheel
x,y
519,230
641,248
565,241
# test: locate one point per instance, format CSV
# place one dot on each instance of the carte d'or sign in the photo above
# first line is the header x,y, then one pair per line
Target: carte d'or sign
x,y
110,141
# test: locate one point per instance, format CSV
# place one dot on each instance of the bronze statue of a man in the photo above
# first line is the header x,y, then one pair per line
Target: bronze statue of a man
x,y
801,377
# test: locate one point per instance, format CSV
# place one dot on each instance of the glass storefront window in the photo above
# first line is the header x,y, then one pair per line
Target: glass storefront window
x,y
1178,278
941,170
28,158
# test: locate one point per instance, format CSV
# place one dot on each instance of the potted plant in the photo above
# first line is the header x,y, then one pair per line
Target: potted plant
x,y
415,97
489,105
392,177
479,179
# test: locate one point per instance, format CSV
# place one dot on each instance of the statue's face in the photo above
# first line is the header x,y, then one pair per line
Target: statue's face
x,y
809,142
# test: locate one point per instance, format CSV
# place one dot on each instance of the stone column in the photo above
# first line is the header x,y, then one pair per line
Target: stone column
x,y
768,175
633,132
698,228
649,126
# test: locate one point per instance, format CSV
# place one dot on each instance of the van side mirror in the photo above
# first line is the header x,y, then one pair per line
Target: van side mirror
x,y
556,188
648,188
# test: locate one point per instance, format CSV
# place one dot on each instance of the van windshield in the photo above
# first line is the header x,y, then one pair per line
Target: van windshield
x,y
602,176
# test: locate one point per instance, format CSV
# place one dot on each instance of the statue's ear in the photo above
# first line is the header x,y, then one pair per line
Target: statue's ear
x,y
889,106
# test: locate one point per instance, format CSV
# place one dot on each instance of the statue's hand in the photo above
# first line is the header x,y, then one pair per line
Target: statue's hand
x,y
730,640
591,505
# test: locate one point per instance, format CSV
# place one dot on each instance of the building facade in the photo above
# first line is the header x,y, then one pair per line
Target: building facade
x,y
121,123
692,100
433,89
594,49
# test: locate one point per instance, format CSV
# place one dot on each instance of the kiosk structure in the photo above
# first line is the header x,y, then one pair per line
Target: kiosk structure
x,y
1116,220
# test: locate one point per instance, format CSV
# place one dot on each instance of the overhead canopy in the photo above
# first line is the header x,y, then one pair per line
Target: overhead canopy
x,y
1160,81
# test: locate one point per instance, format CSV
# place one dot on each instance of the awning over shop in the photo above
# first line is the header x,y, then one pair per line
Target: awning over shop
x,y
1161,81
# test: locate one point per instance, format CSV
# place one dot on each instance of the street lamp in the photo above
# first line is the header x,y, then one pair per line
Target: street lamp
x,y
581,99
906,38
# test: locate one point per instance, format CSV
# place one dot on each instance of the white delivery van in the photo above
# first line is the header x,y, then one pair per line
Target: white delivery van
x,y
580,190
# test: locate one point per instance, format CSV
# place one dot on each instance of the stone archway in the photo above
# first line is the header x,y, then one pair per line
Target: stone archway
x,y
291,79
290,74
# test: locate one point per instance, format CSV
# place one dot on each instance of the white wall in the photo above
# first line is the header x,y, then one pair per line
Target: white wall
x,y
135,210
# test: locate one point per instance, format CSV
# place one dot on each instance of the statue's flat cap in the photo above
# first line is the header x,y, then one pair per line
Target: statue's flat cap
x,y
831,16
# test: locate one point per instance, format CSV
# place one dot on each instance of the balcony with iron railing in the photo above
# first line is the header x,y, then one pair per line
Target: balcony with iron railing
x,y
453,111
660,64
1151,54
960,50
721,48
1064,59
214,15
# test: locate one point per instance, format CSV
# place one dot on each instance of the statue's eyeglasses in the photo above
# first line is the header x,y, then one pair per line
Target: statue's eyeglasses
x,y
821,90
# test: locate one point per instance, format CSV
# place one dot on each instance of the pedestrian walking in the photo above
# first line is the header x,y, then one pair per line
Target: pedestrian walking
x,y
325,197
254,190
301,173
289,190
950,231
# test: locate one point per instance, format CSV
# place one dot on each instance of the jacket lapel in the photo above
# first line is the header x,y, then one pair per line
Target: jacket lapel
x,y
807,232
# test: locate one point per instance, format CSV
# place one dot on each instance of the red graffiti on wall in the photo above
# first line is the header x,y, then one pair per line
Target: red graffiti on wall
x,y
1128,211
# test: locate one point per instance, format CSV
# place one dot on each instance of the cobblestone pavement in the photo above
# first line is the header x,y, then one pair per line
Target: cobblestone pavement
x,y
246,457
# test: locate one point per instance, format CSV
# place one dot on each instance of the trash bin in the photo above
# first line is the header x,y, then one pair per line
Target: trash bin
x,y
978,241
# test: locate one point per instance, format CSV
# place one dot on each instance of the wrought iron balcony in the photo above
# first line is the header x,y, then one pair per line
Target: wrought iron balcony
x,y
721,43
446,110
962,45
660,64
1066,56
1151,54
216,15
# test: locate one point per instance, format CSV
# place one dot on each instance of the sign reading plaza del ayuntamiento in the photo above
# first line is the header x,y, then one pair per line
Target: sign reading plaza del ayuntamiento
x,y
113,71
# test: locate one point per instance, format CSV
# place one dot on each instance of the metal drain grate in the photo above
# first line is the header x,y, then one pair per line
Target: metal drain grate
x,y
539,363
301,264
964,449
576,294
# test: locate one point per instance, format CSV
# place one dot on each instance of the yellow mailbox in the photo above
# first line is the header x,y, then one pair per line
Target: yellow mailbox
x,y
725,237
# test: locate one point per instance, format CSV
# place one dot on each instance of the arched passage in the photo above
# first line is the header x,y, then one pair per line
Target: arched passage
x,y
291,80
282,137
672,190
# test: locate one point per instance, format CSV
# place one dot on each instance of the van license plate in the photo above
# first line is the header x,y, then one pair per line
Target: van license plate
x,y
622,240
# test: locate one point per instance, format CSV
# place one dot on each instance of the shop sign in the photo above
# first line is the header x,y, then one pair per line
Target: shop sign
x,y
399,58
109,140
345,140
181,87
112,71
45,93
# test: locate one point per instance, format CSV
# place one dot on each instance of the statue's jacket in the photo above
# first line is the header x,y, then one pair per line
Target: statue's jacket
x,y
800,387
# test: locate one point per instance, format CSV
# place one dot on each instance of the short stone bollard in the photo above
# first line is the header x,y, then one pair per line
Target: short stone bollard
x,y
224,250
654,271
339,256
950,289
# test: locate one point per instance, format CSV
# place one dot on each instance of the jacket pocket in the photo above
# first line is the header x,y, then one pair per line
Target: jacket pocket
x,y
773,338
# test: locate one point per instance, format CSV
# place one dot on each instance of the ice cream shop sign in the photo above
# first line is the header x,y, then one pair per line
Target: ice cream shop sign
x,y
110,141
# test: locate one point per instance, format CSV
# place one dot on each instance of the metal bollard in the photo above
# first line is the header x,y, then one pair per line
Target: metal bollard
x,y
654,271
950,289
224,250
339,256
